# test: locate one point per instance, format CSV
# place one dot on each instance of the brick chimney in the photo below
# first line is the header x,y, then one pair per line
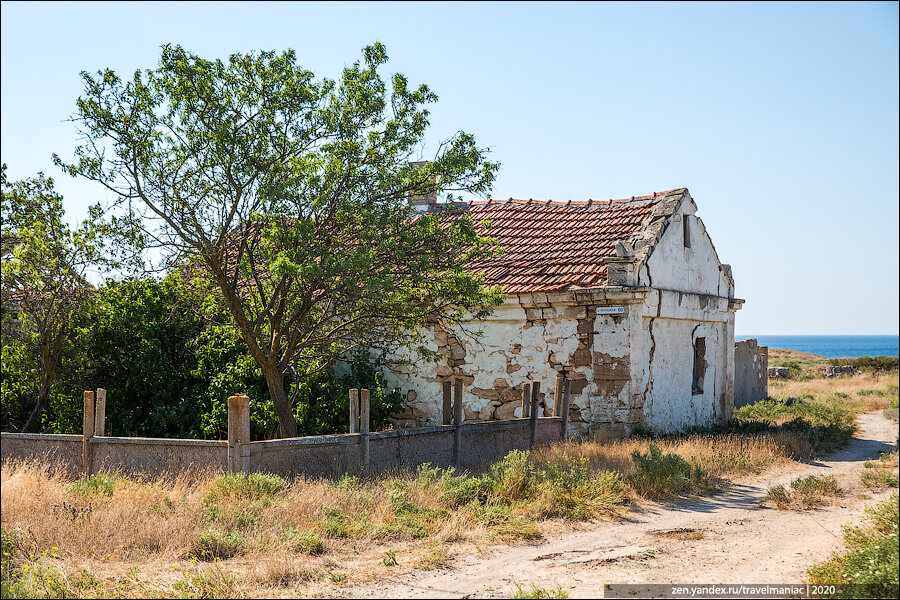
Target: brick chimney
x,y
423,203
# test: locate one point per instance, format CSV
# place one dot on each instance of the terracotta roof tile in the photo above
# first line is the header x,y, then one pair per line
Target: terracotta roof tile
x,y
552,246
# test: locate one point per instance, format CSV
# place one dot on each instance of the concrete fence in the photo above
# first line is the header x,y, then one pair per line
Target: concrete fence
x,y
358,452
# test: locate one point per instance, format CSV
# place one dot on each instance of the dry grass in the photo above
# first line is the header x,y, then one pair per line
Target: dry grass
x,y
861,393
883,473
805,493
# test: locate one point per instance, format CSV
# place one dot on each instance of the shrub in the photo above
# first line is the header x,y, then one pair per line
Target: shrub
x,y
874,364
871,558
95,485
513,476
877,478
305,541
499,519
459,490
215,543
570,490
657,474
338,524
804,492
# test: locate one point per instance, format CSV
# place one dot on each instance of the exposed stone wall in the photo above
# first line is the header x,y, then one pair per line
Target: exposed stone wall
x,y
530,338
779,372
751,381
841,371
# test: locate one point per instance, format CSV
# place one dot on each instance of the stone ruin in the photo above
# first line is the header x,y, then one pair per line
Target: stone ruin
x,y
840,371
778,373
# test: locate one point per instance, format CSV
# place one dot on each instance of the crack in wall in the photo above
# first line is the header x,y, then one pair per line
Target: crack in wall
x,y
648,389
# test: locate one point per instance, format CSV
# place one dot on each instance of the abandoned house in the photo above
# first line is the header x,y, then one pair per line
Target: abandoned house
x,y
625,298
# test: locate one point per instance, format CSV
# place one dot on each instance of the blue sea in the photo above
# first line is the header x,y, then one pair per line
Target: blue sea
x,y
833,346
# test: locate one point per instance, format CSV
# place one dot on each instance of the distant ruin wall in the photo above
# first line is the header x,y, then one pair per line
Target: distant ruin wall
x,y
751,365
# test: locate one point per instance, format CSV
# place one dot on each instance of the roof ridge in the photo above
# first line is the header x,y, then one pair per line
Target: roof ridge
x,y
579,203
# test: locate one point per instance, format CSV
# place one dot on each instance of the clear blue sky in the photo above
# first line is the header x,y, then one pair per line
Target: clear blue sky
x,y
781,119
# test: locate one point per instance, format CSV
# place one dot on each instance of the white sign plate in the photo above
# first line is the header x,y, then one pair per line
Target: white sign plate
x,y
610,310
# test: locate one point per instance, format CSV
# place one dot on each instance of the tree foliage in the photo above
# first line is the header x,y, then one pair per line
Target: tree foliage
x,y
286,199
43,288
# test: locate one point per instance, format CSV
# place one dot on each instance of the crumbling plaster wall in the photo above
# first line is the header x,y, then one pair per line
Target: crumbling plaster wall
x,y
532,337
692,297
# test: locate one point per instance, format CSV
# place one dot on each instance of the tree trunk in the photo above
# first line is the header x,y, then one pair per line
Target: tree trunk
x,y
286,421
34,420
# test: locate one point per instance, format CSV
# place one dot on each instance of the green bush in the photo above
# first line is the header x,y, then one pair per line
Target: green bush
x,y
804,493
871,559
826,423
869,363
460,490
658,474
570,490
215,543
338,524
305,541
95,485
169,371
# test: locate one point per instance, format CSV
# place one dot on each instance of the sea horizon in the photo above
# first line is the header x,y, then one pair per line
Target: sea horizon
x,y
832,346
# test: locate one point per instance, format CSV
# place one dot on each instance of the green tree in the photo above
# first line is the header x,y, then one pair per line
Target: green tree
x,y
287,198
43,287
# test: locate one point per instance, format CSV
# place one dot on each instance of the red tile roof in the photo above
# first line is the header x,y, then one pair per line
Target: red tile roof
x,y
551,246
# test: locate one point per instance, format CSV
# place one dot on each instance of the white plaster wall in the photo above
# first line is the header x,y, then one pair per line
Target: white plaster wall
x,y
691,300
671,266
669,404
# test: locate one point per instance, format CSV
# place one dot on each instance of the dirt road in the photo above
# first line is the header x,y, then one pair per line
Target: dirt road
x,y
726,538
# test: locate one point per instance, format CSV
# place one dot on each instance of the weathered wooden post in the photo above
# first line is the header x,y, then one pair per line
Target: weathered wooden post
x,y
87,432
364,430
533,415
564,410
557,399
354,410
458,418
526,400
447,409
238,434
100,413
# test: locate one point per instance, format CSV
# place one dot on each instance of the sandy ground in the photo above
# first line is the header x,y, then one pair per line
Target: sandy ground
x,y
726,538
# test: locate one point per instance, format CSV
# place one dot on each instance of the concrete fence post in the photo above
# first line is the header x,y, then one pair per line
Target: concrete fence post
x,y
526,400
447,408
238,434
364,430
564,410
87,432
458,419
100,413
354,410
533,415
